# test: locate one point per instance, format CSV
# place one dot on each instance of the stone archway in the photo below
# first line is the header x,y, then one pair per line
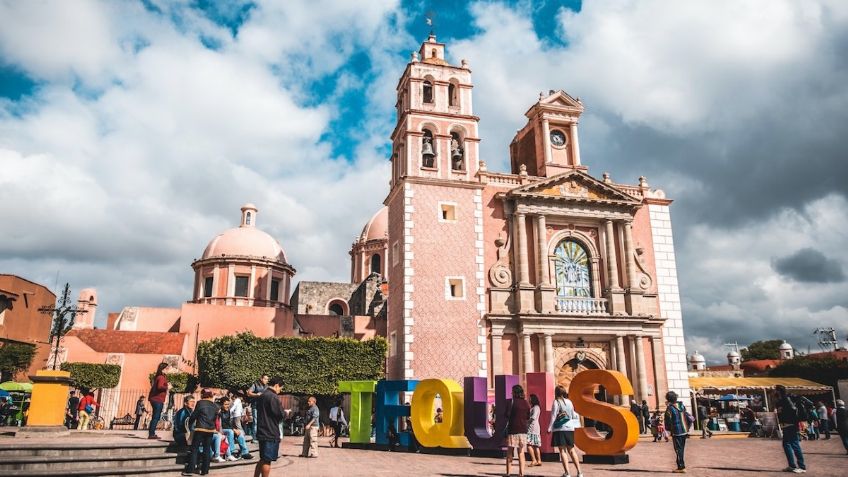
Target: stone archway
x,y
570,368
571,360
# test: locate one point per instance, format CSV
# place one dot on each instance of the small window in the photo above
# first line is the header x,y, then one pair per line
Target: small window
x,y
454,288
241,285
428,150
207,287
247,219
428,92
395,254
275,290
336,309
447,212
393,343
375,263
452,99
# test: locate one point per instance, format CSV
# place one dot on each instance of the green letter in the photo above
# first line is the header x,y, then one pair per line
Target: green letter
x,y
361,394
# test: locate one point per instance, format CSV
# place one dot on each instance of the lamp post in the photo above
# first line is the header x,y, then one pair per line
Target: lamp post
x,y
64,314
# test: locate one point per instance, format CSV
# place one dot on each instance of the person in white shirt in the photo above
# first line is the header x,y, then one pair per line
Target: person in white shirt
x,y
564,420
237,411
337,420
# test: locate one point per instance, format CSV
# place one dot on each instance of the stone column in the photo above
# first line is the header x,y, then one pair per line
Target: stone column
x,y
546,140
630,259
251,284
497,353
542,251
268,277
596,278
215,277
641,372
612,264
575,145
523,265
528,352
549,353
622,366
632,374
660,387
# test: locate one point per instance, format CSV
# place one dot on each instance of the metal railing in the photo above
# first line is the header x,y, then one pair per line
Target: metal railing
x,y
581,305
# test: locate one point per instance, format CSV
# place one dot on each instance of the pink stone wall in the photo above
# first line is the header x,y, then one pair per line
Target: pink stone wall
x,y
394,368
215,321
152,319
445,331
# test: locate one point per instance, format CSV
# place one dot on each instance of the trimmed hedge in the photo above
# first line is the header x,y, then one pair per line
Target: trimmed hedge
x,y
181,382
307,365
93,375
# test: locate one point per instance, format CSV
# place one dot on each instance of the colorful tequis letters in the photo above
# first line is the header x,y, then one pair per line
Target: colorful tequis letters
x,y
465,412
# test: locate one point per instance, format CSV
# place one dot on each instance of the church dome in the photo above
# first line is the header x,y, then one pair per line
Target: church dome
x,y
733,354
785,346
246,241
697,358
377,228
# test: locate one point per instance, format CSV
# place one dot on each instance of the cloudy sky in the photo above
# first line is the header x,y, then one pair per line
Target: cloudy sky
x,y
132,132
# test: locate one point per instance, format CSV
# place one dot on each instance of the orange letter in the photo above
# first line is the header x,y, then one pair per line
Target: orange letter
x,y
625,427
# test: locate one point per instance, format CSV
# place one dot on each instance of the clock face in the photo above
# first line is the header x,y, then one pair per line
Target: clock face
x,y
557,138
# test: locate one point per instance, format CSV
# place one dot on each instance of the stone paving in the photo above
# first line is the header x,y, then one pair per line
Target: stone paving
x,y
711,457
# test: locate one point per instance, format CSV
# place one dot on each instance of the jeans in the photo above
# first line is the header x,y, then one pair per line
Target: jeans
x,y
679,447
824,428
792,446
255,422
844,437
232,439
705,428
157,414
200,439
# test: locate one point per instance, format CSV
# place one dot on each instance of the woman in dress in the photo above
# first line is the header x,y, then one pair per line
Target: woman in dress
x,y
534,438
518,421
564,420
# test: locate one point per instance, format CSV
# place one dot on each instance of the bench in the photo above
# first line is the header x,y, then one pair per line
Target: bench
x,y
127,420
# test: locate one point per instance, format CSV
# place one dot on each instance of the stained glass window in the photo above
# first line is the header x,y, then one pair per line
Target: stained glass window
x,y
572,270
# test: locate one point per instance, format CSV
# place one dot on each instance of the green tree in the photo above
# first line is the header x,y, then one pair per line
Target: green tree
x,y
768,349
14,358
825,371
307,366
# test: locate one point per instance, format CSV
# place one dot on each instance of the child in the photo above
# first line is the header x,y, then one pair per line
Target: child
x,y
655,426
661,428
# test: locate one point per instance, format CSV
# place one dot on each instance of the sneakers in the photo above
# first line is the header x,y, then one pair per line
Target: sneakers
x,y
246,456
798,470
217,459
231,458
580,474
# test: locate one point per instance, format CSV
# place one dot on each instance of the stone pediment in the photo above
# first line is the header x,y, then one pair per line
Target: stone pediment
x,y
575,185
561,99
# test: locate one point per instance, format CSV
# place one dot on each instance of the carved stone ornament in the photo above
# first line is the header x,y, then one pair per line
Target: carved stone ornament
x,y
115,358
573,189
645,280
500,274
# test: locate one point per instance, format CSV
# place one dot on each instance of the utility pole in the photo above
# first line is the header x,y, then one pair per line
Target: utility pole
x,y
827,339
64,314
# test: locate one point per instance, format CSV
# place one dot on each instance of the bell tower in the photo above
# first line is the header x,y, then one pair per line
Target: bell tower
x,y
436,294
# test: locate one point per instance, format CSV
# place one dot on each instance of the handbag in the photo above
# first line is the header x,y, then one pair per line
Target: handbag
x,y
562,417
89,408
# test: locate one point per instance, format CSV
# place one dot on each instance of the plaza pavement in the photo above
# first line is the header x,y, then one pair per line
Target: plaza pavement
x,y
713,457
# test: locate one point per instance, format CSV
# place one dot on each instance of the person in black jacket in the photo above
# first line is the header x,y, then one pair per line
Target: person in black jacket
x,y
271,414
787,415
203,421
842,422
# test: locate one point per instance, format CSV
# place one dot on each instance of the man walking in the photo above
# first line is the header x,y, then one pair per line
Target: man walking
x,y
704,420
637,411
842,422
139,412
268,428
677,422
824,421
72,413
256,390
310,430
646,417
788,417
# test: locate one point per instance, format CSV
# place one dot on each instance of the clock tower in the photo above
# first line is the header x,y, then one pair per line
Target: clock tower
x,y
436,294
548,144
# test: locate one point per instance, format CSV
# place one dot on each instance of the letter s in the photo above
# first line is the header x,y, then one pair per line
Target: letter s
x,y
625,427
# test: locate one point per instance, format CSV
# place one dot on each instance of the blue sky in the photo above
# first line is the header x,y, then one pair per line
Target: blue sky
x,y
131,133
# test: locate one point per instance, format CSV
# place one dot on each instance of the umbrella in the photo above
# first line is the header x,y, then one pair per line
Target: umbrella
x,y
13,386
734,397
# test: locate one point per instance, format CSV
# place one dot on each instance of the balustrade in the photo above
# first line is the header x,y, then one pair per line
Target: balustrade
x,y
581,305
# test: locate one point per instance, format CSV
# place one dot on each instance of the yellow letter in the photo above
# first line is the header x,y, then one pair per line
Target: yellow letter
x,y
451,432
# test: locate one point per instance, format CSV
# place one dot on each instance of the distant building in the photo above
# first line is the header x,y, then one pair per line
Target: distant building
x,y
20,320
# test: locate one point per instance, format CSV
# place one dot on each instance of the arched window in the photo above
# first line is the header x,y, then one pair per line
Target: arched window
x,y
457,152
452,99
247,219
336,309
428,91
571,267
375,263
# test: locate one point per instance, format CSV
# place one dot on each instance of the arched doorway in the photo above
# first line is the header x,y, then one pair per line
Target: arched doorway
x,y
573,366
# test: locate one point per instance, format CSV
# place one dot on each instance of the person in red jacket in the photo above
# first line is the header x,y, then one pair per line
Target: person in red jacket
x,y
157,397
86,409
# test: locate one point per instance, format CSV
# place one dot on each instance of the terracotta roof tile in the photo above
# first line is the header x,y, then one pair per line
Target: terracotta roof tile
x,y
138,342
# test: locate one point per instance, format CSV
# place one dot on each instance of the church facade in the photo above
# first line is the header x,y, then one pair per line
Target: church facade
x,y
543,268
